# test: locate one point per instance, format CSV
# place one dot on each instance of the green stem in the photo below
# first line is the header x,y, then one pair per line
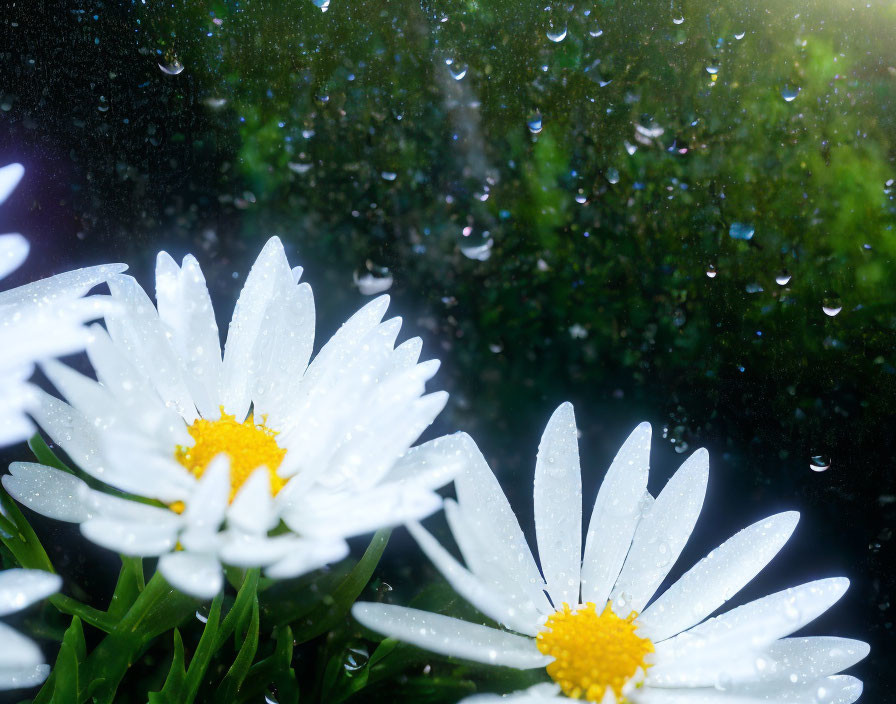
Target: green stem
x,y
157,606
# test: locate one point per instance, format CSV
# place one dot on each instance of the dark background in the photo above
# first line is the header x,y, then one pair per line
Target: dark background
x,y
597,179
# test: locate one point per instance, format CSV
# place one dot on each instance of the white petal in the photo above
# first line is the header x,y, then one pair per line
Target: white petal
x,y
129,537
615,517
206,508
558,506
327,515
138,333
832,690
22,677
489,602
195,574
662,534
20,588
268,274
253,550
49,491
71,430
756,624
717,577
61,287
450,636
489,515
10,175
790,660
307,555
432,464
16,650
252,509
13,249
185,307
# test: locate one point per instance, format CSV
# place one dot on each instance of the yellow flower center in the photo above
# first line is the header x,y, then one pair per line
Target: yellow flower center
x,y
249,445
592,651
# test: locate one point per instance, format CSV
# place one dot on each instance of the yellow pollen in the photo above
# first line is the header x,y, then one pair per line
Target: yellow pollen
x,y
592,652
248,445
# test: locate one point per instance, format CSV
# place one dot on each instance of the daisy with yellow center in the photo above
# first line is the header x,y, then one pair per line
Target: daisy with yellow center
x,y
255,457
590,615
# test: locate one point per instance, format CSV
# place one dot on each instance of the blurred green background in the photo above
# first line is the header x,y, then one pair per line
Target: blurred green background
x,y
681,212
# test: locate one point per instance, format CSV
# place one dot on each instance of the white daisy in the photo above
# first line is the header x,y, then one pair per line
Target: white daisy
x,y
256,458
21,662
594,623
38,321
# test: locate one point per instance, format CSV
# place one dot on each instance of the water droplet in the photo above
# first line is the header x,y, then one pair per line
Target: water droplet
x,y
202,614
678,20
479,253
322,5
739,35
299,168
535,123
457,69
270,697
373,281
556,31
819,463
356,659
711,271
789,93
783,277
594,30
831,305
172,66
741,231
630,148
712,69
215,103
389,175
612,175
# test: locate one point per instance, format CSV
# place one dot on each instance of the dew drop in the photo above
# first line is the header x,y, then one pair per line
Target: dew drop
x,y
479,253
556,31
711,271
322,5
739,35
678,20
741,231
789,93
373,281
831,305
535,123
712,69
594,29
613,175
783,277
172,66
356,658
819,463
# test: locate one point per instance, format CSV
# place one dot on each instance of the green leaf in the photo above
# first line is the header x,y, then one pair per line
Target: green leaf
x,y
130,584
230,686
88,614
204,651
65,690
236,617
74,636
45,455
20,538
172,691
276,668
331,611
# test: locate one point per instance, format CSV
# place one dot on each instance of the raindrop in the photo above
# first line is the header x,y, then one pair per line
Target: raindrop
x,y
373,281
389,175
630,148
789,93
783,277
741,231
594,30
556,32
712,69
104,104
172,67
298,167
535,123
739,35
479,253
581,198
356,659
711,271
678,20
457,69
613,175
202,614
270,697
322,5
831,305
819,463
215,103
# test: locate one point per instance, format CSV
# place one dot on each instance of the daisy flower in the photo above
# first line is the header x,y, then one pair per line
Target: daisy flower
x,y
21,662
594,623
253,458
38,321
